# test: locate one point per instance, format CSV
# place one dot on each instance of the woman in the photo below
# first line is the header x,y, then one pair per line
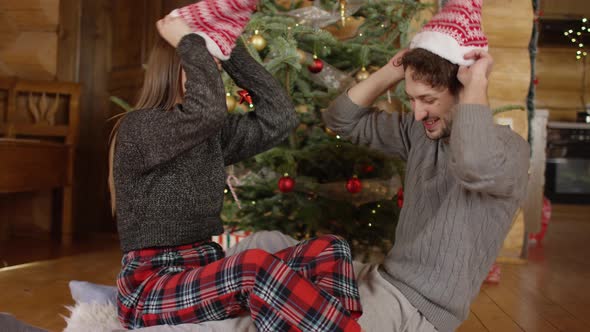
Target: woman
x,y
167,182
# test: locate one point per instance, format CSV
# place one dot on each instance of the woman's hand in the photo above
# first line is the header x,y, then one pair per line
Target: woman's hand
x,y
172,29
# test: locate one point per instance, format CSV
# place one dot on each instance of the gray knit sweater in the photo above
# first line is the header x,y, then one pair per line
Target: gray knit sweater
x,y
460,197
169,164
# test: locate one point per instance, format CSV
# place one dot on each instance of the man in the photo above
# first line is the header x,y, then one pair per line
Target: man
x,y
465,178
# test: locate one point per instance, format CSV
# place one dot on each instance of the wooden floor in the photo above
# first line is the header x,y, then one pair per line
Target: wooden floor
x,y
550,293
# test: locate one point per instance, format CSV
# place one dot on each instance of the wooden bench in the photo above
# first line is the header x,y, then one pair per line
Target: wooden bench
x,y
38,135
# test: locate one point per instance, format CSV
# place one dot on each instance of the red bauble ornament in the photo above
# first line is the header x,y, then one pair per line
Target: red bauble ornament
x,y
354,185
400,197
316,66
368,168
286,184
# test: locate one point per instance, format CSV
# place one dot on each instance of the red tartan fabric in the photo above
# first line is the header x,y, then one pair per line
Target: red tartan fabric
x,y
308,287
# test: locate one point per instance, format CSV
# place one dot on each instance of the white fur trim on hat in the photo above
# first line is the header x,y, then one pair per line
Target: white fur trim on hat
x,y
444,46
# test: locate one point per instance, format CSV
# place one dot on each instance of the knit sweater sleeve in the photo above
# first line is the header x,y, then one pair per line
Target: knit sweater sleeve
x,y
485,157
271,121
386,132
161,135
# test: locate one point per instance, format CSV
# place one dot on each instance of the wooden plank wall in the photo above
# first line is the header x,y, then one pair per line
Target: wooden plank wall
x,y
560,83
29,38
508,25
565,8
88,41
112,53
558,72
28,49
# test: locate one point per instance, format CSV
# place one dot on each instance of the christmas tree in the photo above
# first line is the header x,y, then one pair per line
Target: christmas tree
x,y
316,182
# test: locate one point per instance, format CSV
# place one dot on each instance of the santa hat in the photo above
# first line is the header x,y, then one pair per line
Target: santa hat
x,y
219,22
454,31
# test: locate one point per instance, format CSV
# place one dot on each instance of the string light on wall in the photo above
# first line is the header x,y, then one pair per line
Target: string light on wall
x,y
577,37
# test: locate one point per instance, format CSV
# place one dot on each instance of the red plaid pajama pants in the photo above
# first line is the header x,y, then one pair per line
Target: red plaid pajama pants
x,y
307,287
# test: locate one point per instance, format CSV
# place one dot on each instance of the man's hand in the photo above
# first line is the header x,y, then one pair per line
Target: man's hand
x,y
475,78
172,29
367,91
396,62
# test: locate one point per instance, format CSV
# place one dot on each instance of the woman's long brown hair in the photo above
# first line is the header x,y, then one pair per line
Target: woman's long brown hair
x,y
161,89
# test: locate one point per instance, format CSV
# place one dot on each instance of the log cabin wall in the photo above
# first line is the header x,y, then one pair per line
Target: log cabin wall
x,y
99,43
29,39
116,37
509,25
559,74
559,88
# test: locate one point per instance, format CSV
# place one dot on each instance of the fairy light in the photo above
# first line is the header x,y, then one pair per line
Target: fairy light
x,y
576,36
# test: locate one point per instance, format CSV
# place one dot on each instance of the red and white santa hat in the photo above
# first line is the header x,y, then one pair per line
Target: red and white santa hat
x,y
454,31
219,22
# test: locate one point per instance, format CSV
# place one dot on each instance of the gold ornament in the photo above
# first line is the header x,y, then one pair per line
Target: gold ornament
x,y
302,128
302,56
231,102
343,12
301,109
347,31
373,69
389,107
362,74
257,41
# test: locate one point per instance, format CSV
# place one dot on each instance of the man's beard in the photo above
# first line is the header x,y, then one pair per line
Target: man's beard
x,y
445,132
